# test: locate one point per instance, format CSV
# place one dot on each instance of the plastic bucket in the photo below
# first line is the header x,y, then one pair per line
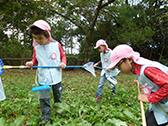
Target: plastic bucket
x,y
41,94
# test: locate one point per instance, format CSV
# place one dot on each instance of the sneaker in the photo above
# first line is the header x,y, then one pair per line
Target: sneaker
x,y
97,98
113,94
113,91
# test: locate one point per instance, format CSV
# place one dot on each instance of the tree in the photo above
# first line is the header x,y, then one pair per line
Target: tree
x,y
82,13
15,17
128,28
143,26
156,15
18,15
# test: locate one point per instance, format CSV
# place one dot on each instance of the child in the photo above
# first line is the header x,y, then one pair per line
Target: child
x,y
2,94
47,52
105,53
152,76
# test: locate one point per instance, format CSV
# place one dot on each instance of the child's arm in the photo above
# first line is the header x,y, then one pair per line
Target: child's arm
x,y
136,81
141,97
34,61
63,57
96,63
158,77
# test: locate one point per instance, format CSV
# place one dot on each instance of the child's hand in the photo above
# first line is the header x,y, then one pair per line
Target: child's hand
x,y
62,65
143,97
136,81
95,64
107,69
29,64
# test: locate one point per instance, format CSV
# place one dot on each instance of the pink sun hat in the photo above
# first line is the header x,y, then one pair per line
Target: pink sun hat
x,y
125,51
102,42
44,26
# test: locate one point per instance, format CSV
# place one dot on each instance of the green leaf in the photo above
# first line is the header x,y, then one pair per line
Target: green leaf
x,y
82,109
62,107
95,109
2,121
19,121
84,123
128,113
117,122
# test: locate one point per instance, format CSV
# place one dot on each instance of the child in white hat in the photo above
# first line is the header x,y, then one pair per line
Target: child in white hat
x,y
152,76
105,53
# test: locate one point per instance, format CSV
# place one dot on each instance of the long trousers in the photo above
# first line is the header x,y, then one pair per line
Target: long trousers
x,y
45,102
150,119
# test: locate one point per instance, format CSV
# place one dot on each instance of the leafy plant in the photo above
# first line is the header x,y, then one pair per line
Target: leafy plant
x,y
78,107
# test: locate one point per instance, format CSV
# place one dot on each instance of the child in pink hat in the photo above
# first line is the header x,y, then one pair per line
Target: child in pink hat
x,y
47,52
152,76
105,53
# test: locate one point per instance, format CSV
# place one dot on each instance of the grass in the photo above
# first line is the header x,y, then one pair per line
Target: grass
x,y
79,106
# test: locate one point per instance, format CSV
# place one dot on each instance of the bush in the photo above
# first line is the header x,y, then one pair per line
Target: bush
x,y
72,60
164,61
14,50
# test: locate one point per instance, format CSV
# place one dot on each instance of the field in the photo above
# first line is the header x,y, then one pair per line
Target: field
x,y
78,107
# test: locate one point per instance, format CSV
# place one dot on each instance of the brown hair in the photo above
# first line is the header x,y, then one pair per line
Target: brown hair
x,y
35,30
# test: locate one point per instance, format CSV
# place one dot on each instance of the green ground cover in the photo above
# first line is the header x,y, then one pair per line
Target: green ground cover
x,y
79,106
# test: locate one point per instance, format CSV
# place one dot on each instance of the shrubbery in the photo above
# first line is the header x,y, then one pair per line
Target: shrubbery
x,y
14,50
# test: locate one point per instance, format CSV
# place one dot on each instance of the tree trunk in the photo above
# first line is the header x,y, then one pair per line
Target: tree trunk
x,y
150,56
151,50
126,2
163,39
87,46
91,27
87,51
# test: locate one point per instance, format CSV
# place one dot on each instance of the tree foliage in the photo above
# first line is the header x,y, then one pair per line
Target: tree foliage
x,y
16,16
83,14
143,25
145,30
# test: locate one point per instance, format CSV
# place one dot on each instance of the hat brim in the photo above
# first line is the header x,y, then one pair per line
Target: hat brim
x,y
32,25
96,47
112,65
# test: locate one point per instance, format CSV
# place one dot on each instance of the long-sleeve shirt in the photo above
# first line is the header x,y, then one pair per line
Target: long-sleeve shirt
x,y
158,77
62,55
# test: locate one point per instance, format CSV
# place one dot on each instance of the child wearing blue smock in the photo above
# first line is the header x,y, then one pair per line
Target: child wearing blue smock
x,y
2,93
47,52
152,76
105,53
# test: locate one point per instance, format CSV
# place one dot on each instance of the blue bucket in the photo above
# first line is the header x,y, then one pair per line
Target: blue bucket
x,y
42,87
42,91
39,88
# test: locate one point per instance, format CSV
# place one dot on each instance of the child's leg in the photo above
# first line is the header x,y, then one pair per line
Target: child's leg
x,y
45,109
100,86
57,92
45,104
150,119
114,89
112,84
